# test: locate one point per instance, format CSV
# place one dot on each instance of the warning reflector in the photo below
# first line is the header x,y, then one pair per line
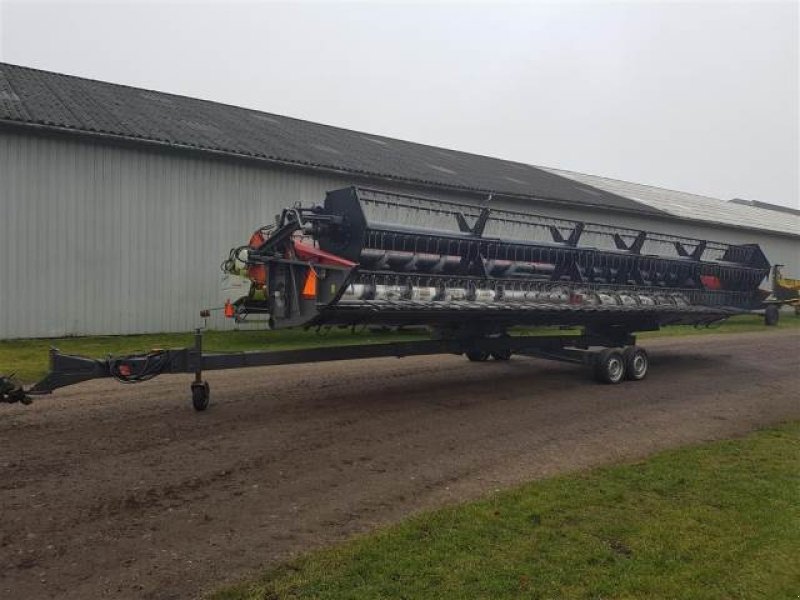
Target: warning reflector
x,y
710,282
310,286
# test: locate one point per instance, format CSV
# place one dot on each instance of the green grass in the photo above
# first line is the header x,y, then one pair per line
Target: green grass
x,y
28,358
717,521
740,324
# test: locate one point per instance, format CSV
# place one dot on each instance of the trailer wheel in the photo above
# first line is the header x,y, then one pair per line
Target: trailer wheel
x,y
201,394
477,355
772,315
609,366
504,354
636,363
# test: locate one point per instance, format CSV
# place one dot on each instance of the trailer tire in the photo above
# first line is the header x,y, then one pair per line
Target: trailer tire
x,y
477,355
636,363
201,395
504,354
609,366
772,315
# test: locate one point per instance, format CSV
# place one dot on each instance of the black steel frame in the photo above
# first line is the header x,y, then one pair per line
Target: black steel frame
x,y
66,369
405,256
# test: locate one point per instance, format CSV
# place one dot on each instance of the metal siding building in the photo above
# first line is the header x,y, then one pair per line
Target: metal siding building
x,y
102,239
104,233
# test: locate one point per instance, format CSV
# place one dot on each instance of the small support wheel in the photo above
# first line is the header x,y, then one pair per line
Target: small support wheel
x,y
477,355
772,315
201,394
636,363
609,366
504,354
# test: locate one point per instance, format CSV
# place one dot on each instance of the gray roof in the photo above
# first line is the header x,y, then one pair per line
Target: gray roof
x,y
31,96
766,205
693,206
63,102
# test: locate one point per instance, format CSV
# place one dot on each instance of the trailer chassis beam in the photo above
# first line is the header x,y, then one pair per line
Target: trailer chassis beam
x,y
66,369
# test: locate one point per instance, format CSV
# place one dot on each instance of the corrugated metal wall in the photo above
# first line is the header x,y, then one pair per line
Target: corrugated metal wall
x,y
99,239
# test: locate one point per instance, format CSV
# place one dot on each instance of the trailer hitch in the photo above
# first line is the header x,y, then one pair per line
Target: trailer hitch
x,y
12,392
67,369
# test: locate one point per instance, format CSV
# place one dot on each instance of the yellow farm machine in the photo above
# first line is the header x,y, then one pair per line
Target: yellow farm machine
x,y
785,292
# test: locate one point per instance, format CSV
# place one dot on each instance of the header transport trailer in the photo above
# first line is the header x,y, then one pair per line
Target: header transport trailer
x,y
467,273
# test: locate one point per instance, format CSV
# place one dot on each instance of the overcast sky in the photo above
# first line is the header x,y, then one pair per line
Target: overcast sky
x,y
700,97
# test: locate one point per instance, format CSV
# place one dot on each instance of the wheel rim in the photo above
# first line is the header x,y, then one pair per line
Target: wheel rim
x,y
615,369
639,365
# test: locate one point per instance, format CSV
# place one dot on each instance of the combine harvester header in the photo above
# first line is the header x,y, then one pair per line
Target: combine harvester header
x,y
469,273
466,268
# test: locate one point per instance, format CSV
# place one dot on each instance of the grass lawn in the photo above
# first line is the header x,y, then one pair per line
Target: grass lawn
x,y
28,358
716,521
740,324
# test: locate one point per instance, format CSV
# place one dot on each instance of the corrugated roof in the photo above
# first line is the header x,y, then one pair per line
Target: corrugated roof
x,y
65,102
692,206
38,97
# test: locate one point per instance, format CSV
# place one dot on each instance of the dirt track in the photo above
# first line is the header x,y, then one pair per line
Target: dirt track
x,y
124,492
